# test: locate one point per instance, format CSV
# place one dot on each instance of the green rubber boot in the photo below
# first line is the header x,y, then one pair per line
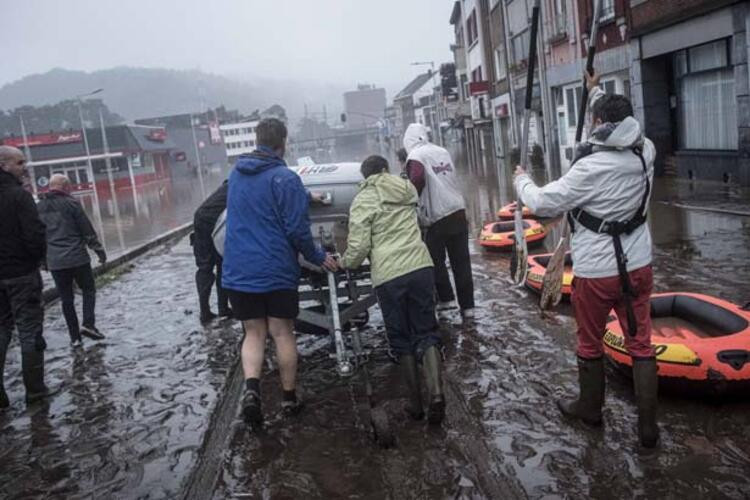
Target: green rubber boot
x,y
432,365
411,376
587,407
645,383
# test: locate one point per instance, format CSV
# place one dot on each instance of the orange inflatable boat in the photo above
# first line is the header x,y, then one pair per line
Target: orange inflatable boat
x,y
507,212
702,345
499,235
538,268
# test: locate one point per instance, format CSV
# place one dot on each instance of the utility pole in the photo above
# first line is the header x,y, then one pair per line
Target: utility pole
x,y
90,168
112,191
27,152
198,158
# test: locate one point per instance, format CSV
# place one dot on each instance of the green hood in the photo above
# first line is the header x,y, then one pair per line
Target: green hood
x,y
391,190
383,227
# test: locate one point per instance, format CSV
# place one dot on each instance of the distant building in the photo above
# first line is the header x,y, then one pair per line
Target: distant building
x,y
138,161
409,100
364,107
239,137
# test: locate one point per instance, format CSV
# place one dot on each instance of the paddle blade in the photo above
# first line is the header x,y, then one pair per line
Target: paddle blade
x,y
553,277
519,258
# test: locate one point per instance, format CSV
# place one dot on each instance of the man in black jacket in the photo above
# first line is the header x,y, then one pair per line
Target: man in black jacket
x,y
207,258
22,249
69,233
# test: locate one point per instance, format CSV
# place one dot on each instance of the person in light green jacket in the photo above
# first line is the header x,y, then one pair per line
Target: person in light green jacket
x,y
383,227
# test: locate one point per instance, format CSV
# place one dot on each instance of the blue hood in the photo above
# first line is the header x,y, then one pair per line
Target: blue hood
x,y
267,226
258,161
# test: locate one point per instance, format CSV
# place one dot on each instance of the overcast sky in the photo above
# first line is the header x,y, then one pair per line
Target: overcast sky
x,y
326,40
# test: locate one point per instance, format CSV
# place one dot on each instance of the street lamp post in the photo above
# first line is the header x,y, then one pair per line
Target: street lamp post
x,y
112,191
89,167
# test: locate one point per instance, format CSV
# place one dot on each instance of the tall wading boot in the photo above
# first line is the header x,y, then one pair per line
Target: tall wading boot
x,y
411,376
433,371
588,406
4,402
645,383
33,376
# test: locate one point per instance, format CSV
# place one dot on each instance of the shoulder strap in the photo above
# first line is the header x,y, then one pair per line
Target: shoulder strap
x,y
598,225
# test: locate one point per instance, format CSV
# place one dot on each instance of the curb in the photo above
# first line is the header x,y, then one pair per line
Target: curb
x,y
51,294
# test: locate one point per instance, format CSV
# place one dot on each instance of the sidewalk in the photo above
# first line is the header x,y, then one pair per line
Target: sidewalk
x,y
130,411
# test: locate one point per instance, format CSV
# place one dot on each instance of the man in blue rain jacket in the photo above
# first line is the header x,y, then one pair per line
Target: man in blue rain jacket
x,y
267,227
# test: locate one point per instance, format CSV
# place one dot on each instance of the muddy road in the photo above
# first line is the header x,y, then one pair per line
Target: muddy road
x,y
153,411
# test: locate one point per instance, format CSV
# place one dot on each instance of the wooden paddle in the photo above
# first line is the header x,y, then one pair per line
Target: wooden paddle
x,y
518,259
553,277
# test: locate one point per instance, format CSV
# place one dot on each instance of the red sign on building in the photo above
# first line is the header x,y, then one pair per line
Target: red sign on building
x,y
43,139
157,135
476,88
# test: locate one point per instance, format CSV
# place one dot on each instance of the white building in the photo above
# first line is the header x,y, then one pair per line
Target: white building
x,y
239,138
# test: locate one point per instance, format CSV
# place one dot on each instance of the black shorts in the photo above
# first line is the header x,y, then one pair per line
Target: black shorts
x,y
283,304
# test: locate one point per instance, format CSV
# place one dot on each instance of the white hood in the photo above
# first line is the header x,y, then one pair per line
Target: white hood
x,y
415,135
625,134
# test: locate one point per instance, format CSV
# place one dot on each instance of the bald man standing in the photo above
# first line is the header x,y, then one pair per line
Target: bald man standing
x,y
69,233
22,249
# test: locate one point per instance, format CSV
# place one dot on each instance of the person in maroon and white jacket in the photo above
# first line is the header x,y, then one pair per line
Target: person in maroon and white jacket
x,y
442,211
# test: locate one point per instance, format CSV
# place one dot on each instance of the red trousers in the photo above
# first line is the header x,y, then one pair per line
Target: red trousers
x,y
594,298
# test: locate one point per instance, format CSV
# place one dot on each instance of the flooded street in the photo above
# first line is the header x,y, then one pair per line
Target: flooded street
x,y
153,411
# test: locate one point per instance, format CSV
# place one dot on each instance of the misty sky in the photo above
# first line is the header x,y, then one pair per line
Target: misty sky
x,y
341,41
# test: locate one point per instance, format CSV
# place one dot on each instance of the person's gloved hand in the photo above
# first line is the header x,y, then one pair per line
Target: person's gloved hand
x,y
102,255
330,263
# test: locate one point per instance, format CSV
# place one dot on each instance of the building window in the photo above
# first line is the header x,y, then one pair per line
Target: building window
x,y
501,71
573,96
560,20
608,10
609,87
476,74
518,27
707,107
471,27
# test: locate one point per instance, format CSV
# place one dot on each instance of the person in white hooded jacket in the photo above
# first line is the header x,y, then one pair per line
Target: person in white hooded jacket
x,y
442,211
606,194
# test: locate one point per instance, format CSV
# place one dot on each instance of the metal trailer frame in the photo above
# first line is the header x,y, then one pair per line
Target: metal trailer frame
x,y
328,289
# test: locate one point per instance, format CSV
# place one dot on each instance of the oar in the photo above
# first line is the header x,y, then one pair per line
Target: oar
x,y
518,259
553,277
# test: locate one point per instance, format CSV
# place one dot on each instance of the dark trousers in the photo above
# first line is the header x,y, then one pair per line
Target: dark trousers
x,y
451,235
21,306
209,262
408,306
83,276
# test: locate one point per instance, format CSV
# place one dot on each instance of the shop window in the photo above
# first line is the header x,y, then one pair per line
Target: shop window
x,y
707,106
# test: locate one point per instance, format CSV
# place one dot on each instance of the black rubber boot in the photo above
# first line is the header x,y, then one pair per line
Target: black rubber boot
x,y
411,376
645,383
432,365
4,402
588,406
33,376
